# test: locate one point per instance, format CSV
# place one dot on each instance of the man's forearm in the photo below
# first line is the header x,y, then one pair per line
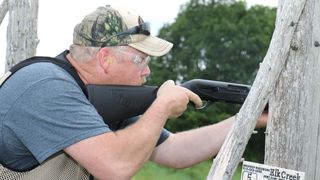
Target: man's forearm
x,y
191,147
140,138
120,154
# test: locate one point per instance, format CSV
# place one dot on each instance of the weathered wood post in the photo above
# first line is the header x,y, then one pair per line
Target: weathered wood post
x,y
225,163
3,9
293,131
22,37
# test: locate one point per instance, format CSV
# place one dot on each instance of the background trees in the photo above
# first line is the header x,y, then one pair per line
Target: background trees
x,y
217,41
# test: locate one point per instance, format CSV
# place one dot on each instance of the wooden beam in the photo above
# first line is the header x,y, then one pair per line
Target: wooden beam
x,y
225,164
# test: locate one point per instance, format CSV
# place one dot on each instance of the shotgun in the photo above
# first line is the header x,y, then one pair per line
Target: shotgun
x,y
119,102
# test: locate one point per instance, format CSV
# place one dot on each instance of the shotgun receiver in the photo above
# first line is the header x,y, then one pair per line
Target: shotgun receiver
x,y
117,102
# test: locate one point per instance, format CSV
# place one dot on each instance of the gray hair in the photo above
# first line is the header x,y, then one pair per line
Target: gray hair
x,y
84,53
81,53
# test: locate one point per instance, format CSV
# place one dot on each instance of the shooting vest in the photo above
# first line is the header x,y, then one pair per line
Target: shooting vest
x,y
59,166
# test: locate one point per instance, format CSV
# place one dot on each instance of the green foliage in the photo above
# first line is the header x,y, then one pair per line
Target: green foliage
x,y
212,40
215,41
152,171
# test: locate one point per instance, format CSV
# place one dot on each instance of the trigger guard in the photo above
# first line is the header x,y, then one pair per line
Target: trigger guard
x,y
204,105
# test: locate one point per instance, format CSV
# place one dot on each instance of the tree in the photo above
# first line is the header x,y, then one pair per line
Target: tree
x,y
218,41
293,139
22,38
292,49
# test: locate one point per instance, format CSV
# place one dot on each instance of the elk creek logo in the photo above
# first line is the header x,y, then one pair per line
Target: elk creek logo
x,y
256,171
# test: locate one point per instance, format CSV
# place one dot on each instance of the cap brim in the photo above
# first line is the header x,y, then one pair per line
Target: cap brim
x,y
153,46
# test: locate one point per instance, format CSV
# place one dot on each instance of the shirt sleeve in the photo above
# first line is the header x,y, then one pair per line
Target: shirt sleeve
x,y
51,115
163,136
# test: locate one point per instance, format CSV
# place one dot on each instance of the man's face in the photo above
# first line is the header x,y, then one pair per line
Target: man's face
x,y
130,67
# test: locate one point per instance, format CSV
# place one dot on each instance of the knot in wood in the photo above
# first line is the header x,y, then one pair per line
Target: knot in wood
x,y
316,44
294,46
292,23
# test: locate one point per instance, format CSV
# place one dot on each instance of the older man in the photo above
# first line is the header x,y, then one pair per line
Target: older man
x,y
49,128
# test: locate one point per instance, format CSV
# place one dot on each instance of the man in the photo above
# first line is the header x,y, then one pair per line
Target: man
x,y
44,112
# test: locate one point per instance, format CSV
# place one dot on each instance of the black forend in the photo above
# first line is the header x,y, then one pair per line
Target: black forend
x,y
218,91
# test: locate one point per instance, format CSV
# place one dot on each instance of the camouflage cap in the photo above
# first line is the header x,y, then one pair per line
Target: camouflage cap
x,y
109,26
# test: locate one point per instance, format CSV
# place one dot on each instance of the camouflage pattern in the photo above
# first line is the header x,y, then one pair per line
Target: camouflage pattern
x,y
98,27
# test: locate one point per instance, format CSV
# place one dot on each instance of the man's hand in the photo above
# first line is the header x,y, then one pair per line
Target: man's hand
x,y
176,98
262,121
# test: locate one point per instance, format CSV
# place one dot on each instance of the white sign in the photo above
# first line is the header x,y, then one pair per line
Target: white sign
x,y
255,171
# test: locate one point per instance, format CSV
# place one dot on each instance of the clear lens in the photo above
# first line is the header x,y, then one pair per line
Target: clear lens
x,y
141,62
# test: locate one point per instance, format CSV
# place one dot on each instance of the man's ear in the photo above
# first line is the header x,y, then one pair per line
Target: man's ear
x,y
104,58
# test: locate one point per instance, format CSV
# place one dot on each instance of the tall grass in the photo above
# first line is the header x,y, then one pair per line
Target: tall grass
x,y
152,171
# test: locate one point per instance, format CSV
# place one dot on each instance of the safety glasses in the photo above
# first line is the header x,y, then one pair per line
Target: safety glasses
x,y
140,62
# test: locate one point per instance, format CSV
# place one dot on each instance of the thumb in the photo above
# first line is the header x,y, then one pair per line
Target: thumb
x,y
165,84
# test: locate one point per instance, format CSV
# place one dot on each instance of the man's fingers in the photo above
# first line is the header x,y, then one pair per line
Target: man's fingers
x,y
177,97
194,98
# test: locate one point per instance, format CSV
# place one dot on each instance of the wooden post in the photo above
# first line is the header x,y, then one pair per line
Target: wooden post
x,y
225,163
3,9
293,131
22,37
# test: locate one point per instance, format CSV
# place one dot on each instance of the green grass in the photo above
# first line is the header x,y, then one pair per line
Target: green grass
x,y
152,171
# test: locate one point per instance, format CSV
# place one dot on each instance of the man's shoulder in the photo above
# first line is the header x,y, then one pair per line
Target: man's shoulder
x,y
42,74
39,71
45,68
